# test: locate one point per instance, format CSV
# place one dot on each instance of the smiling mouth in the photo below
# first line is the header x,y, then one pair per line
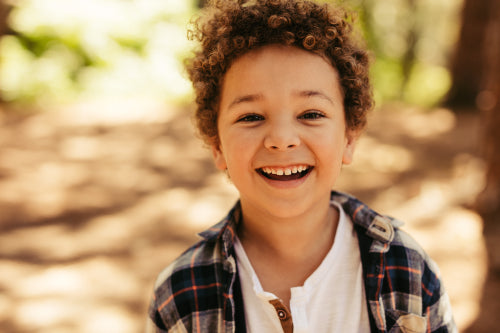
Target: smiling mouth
x,y
284,174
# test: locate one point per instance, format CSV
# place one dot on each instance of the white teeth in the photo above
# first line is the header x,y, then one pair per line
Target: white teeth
x,y
302,168
284,171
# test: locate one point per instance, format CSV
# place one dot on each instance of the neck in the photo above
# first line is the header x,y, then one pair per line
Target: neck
x,y
284,252
295,239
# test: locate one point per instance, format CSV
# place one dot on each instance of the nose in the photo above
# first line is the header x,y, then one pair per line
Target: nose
x,y
281,136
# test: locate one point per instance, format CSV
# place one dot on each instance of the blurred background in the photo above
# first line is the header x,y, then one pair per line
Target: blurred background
x,y
103,181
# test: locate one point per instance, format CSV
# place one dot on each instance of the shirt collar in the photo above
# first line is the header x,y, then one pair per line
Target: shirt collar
x,y
225,230
376,226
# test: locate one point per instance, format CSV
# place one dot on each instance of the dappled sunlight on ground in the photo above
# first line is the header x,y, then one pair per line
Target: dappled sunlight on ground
x,y
93,206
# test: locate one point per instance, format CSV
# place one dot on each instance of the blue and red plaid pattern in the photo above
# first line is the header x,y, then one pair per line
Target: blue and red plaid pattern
x,y
200,291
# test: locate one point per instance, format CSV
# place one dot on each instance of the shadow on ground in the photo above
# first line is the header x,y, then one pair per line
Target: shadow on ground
x,y
91,209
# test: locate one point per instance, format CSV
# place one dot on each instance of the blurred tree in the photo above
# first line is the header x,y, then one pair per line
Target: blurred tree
x,y
410,41
378,35
484,90
467,66
488,101
60,50
476,85
409,56
68,50
5,9
4,13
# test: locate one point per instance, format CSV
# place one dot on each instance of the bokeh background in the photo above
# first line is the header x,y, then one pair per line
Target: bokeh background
x,y
103,181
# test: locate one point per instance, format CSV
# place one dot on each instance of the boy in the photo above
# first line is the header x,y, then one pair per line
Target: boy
x,y
282,93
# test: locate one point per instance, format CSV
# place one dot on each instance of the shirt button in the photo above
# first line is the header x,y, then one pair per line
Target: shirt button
x,y
282,314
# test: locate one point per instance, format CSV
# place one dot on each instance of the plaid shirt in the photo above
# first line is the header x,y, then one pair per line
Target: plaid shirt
x,y
200,291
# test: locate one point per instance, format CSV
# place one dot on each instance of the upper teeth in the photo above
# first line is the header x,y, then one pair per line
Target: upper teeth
x,y
285,171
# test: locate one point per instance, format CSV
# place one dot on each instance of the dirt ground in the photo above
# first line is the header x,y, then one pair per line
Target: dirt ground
x,y
97,199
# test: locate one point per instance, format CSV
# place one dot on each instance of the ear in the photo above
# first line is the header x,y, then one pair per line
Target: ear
x,y
350,145
219,159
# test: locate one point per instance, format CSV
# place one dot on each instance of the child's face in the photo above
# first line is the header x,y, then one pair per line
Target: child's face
x,y
282,131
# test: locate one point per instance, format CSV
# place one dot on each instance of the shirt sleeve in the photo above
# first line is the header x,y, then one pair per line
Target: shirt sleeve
x,y
155,323
152,327
437,305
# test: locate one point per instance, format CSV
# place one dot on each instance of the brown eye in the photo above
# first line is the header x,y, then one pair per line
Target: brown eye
x,y
312,115
250,118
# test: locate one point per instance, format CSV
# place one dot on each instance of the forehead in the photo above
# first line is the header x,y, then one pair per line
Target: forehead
x,y
277,53
278,69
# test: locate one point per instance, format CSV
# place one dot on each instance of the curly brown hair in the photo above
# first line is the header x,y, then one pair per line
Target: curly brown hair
x,y
227,29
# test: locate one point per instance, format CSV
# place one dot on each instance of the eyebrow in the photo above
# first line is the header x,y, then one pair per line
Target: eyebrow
x,y
314,93
245,99
302,93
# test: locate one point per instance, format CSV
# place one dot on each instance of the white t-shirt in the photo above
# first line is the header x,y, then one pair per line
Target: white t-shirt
x,y
332,298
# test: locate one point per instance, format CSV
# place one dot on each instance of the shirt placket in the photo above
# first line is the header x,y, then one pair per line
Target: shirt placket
x,y
284,315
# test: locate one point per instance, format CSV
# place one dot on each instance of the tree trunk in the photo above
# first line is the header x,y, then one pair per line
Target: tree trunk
x,y
467,62
4,13
4,27
489,103
408,59
488,202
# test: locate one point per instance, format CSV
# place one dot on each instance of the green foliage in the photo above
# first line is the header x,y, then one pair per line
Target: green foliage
x,y
65,49
412,41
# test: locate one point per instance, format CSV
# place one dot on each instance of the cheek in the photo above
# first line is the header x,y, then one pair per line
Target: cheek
x,y
234,139
331,150
239,150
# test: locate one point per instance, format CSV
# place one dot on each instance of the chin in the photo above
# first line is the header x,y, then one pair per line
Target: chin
x,y
287,210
